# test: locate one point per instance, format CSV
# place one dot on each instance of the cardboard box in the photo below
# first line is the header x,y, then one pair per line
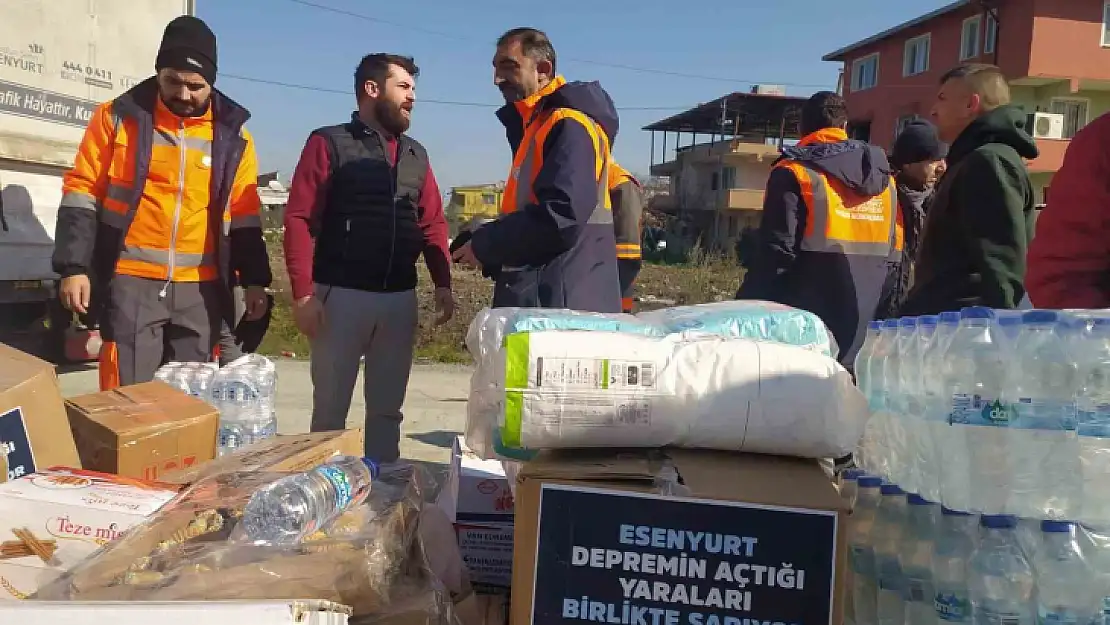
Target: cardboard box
x,y
757,539
34,430
477,497
294,452
75,511
177,612
143,431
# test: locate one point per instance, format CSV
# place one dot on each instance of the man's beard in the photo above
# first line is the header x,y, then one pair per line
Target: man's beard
x,y
512,92
391,117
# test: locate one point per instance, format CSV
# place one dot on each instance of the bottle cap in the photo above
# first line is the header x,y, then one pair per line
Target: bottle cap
x,y
977,312
375,468
917,500
874,325
908,322
869,481
890,323
951,512
1056,527
949,317
1010,320
998,521
892,489
928,320
1040,316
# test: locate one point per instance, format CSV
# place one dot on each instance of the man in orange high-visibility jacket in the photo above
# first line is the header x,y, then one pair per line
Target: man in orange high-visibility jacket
x,y
553,245
627,198
159,212
830,227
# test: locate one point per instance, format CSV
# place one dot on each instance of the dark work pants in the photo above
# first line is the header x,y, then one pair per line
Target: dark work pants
x,y
142,331
627,270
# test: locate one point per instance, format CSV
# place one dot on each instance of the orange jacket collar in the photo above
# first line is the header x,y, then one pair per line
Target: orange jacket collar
x,y
825,135
527,105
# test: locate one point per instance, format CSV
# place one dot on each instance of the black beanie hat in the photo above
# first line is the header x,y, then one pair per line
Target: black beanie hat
x,y
188,45
918,142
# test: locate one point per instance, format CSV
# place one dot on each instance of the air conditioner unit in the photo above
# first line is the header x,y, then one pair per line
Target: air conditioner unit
x,y
1046,125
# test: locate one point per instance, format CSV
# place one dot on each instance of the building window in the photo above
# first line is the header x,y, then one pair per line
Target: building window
x,y
916,57
1074,111
1106,24
489,199
865,72
970,38
990,38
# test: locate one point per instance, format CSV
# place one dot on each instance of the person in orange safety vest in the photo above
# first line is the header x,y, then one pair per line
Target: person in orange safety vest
x,y
553,245
830,229
160,211
626,195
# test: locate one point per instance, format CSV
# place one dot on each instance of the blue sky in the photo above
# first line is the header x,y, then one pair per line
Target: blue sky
x,y
739,41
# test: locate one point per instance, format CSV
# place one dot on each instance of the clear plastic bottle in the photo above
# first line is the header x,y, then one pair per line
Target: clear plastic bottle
x,y
849,486
1092,353
1040,427
916,559
244,393
285,511
1000,579
886,539
935,405
1068,590
874,451
956,539
913,403
861,555
897,441
974,451
863,358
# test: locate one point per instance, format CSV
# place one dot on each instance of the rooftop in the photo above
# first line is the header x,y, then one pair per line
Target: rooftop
x,y
739,113
944,10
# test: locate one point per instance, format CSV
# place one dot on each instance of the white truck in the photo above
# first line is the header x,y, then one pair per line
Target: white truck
x,y
58,60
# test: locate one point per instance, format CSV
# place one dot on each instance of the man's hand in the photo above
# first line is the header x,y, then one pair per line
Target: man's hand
x,y
256,302
445,305
465,255
308,314
75,293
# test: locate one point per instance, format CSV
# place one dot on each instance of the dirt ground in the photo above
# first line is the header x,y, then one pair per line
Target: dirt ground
x,y
704,279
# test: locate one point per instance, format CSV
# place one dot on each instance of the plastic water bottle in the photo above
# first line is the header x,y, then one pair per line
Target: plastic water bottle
x,y
849,486
244,395
1097,553
1068,591
974,451
1092,353
1043,448
1000,577
1008,323
191,378
285,511
916,560
875,454
935,408
861,555
886,539
897,441
955,541
913,393
863,359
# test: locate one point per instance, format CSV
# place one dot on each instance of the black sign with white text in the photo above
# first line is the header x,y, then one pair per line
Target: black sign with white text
x,y
623,558
15,444
52,107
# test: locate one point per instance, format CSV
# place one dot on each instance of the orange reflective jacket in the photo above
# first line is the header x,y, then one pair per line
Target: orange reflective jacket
x,y
156,185
627,199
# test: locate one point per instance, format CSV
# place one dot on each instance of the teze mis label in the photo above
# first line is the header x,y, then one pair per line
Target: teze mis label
x,y
637,559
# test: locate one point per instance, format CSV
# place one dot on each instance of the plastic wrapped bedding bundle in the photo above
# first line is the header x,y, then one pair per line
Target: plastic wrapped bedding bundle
x,y
563,389
750,319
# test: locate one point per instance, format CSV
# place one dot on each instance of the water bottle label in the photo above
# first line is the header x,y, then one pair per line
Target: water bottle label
x,y
919,587
1044,415
978,410
338,478
862,559
952,607
1058,615
989,616
890,573
1094,423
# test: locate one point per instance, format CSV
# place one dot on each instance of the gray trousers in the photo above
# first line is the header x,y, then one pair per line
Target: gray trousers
x,y
380,327
142,331
229,350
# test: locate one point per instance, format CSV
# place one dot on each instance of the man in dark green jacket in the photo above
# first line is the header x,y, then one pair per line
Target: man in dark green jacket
x,y
978,228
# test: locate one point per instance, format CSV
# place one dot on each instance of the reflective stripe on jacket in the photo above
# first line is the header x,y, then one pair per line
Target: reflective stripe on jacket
x,y
841,222
627,199
157,196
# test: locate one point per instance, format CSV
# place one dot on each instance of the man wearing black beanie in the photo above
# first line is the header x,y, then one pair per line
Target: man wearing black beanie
x,y
159,217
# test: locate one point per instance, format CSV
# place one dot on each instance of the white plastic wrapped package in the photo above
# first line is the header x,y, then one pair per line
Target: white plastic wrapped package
x,y
564,389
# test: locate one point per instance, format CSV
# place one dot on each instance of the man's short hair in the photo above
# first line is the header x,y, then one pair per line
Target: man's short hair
x,y
986,81
533,43
823,109
376,67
